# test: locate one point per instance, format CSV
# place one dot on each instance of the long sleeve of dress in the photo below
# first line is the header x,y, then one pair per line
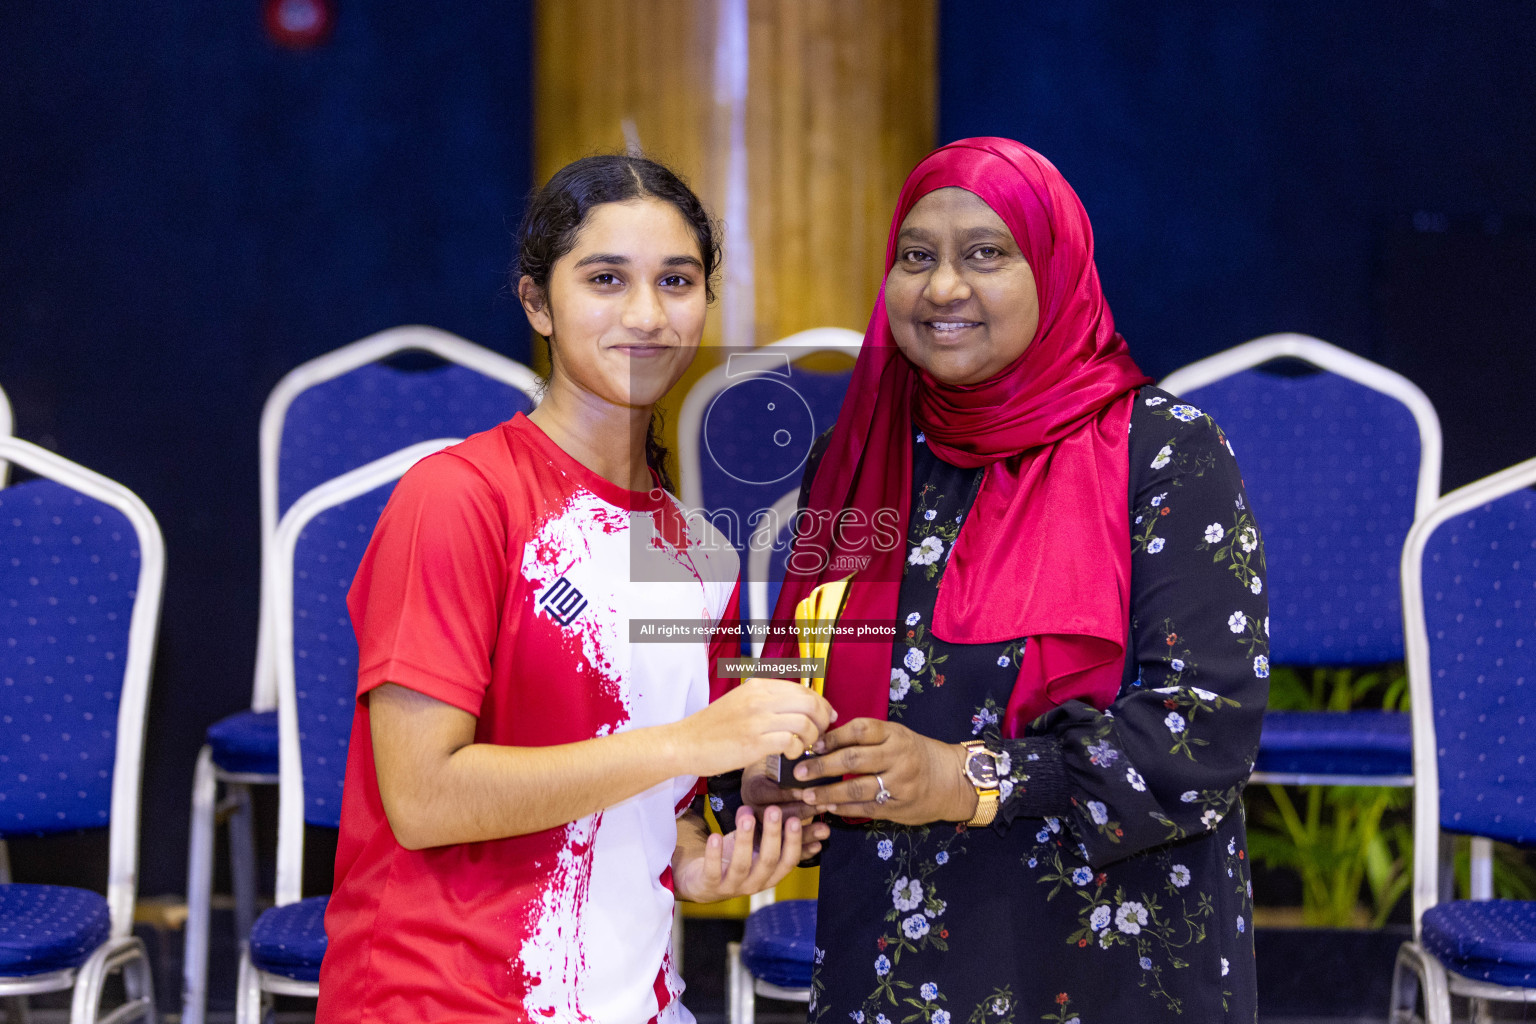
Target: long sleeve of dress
x,y
1169,757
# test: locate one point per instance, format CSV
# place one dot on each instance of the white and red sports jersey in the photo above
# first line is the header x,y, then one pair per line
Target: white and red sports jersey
x,y
501,579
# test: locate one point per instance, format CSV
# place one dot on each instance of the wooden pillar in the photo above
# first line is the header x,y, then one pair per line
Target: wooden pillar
x,y
614,74
841,106
838,107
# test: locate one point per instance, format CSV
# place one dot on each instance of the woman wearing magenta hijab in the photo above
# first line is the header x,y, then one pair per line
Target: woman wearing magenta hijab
x,y
1034,794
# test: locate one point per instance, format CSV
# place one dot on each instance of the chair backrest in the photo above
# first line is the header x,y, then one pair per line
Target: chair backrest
x,y
1337,464
7,424
767,552
346,408
1469,601
84,571
746,427
319,544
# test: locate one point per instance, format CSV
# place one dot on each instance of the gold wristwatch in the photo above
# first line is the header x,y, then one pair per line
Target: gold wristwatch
x,y
980,768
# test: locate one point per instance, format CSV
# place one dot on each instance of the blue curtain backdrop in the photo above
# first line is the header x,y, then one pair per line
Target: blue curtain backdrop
x,y
1364,172
187,211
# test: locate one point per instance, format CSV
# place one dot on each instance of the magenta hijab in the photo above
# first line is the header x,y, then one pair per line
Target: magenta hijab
x,y
1045,551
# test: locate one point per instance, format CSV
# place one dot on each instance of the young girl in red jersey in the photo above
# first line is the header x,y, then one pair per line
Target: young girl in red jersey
x,y
515,821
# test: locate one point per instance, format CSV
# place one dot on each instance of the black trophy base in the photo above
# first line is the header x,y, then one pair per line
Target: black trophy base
x,y
781,770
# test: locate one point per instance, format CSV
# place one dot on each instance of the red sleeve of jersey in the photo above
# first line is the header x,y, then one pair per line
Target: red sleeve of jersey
x,y
426,601
725,642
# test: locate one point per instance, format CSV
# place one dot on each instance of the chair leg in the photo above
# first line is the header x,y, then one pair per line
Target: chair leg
x,y
194,960
139,984
1418,979
129,956
242,861
677,939
740,999
85,1002
1404,993
248,996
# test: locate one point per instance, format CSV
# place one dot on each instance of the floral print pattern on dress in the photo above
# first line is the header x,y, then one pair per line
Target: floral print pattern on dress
x,y
930,538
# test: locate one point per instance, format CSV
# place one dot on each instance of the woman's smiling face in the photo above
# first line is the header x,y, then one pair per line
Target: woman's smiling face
x,y
961,297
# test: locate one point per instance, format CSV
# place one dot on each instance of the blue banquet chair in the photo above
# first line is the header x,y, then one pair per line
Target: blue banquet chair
x,y
315,553
746,427
1469,604
84,574
325,417
1338,462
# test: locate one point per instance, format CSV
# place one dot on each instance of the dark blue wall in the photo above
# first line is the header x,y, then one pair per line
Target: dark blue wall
x,y
186,212
1364,172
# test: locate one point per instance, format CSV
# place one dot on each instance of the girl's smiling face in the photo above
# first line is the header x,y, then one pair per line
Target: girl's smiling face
x,y
961,297
625,308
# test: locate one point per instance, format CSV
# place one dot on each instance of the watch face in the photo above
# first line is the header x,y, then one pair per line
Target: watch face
x,y
981,767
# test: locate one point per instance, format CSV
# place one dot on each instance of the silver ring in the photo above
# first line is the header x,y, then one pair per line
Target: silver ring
x,y
884,794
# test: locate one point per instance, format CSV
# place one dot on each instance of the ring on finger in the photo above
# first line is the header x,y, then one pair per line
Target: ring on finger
x,y
884,794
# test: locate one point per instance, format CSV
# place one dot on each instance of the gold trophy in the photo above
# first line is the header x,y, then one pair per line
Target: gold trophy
x,y
815,618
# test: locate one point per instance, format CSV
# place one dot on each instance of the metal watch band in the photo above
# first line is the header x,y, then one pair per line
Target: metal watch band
x,y
986,808
987,798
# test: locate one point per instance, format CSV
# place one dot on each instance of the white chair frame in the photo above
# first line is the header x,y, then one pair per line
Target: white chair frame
x,y
236,807
122,950
7,424
254,982
448,347
696,405
1417,970
1364,372
759,553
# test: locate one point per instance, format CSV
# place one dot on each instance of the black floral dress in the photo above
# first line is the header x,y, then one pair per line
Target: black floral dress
x,y
1114,884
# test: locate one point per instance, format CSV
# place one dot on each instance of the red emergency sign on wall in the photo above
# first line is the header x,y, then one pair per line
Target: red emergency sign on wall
x,y
299,24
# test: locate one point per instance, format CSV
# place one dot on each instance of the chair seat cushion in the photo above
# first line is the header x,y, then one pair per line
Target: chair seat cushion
x,y
1490,940
245,742
779,945
49,927
291,940
1336,743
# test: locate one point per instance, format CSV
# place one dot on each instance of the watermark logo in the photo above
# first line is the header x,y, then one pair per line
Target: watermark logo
x,y
794,631
759,429
854,536
748,430
849,563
